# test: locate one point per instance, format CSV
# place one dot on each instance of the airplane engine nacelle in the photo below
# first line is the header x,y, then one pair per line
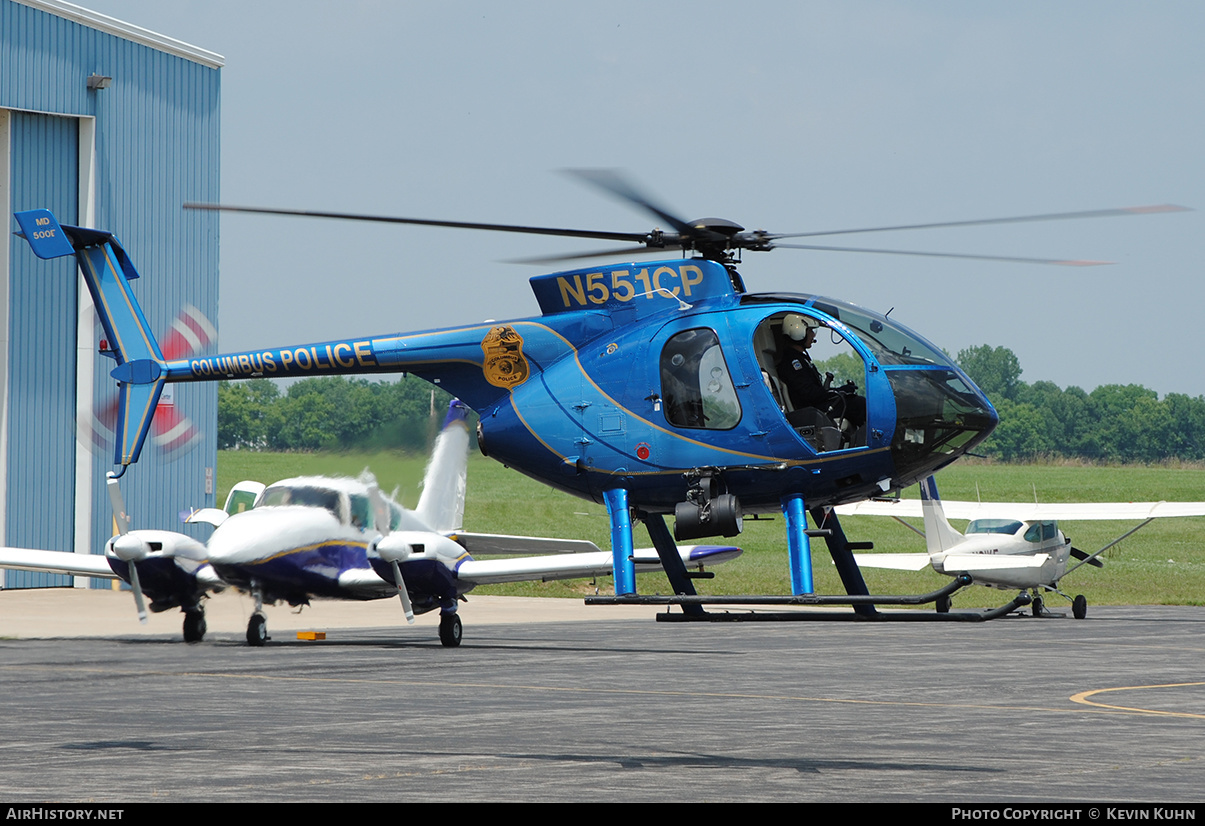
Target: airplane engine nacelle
x,y
402,545
393,548
136,546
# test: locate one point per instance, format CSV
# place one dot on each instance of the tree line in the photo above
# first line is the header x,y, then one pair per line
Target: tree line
x,y
1117,423
1113,423
329,413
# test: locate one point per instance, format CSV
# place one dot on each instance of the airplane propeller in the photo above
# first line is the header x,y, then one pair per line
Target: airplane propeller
x,y
127,547
1084,556
715,239
380,511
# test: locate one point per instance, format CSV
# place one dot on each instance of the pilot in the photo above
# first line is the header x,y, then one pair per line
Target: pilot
x,y
802,380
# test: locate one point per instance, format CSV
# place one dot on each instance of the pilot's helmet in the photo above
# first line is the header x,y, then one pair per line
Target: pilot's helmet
x,y
795,326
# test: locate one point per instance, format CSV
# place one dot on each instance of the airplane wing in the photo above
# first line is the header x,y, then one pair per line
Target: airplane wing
x,y
583,565
1070,512
58,562
363,583
484,544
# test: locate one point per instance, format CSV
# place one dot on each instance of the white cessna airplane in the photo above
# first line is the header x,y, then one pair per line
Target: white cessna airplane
x,y
1006,545
337,538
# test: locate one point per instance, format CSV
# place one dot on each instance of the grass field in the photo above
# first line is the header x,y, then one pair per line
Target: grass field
x,y
1163,564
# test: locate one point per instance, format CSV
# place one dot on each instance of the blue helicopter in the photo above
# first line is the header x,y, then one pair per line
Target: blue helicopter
x,y
659,388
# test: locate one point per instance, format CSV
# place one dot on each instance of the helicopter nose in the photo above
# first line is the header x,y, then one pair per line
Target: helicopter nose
x,y
940,415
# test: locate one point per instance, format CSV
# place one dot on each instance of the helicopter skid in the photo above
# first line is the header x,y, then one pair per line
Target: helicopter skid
x,y
962,581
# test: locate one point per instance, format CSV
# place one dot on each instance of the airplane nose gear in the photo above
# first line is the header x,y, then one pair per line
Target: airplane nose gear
x,y
257,627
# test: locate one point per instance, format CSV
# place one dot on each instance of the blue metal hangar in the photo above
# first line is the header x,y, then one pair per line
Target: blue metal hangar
x,y
110,126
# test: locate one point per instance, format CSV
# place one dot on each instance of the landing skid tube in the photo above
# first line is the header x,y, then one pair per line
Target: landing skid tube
x,y
813,599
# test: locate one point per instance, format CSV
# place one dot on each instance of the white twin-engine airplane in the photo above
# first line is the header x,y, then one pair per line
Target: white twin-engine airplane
x,y
337,538
1006,545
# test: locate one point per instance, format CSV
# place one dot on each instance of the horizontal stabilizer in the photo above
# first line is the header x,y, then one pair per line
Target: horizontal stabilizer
x,y
894,562
46,238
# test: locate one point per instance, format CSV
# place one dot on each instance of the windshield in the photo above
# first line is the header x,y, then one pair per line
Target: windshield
x,y
301,495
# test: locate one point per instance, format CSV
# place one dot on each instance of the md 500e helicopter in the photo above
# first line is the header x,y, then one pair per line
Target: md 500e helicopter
x,y
658,388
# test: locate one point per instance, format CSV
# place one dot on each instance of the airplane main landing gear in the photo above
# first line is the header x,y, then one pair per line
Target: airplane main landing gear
x,y
194,626
257,630
1079,607
450,630
943,604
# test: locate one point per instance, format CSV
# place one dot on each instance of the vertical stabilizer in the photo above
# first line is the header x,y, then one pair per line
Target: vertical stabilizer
x,y
107,270
441,505
939,533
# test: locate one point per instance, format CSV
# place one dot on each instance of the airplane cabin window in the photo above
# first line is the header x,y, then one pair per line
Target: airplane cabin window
x,y
361,512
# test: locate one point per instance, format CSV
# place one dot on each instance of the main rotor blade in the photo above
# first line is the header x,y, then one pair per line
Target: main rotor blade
x,y
1019,219
385,219
611,181
615,253
1006,258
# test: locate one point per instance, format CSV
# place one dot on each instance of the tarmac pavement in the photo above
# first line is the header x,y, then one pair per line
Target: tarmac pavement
x,y
549,700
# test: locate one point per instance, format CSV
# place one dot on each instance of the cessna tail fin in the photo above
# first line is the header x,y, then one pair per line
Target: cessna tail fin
x,y
939,534
441,505
107,270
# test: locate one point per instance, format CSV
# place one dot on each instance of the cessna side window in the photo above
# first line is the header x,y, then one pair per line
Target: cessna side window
x,y
1005,526
696,388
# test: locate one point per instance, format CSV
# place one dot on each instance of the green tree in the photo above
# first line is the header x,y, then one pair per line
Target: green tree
x,y
995,369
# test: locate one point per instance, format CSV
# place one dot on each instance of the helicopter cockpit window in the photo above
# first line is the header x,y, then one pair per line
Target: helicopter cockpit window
x,y
817,379
696,387
889,343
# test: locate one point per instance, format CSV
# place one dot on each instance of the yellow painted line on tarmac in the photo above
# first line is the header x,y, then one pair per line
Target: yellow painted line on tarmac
x,y
1083,696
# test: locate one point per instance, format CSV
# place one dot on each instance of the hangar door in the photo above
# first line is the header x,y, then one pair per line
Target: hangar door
x,y
41,360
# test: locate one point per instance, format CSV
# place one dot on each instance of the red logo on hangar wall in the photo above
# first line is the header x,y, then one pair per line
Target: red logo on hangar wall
x,y
643,451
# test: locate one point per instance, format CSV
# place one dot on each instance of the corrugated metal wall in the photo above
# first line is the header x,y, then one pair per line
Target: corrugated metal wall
x,y
42,325
156,145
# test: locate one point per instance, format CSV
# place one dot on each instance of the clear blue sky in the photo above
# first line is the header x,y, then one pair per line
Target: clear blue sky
x,y
787,116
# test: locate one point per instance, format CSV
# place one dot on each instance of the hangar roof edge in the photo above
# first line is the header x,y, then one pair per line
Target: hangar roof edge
x,y
129,31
